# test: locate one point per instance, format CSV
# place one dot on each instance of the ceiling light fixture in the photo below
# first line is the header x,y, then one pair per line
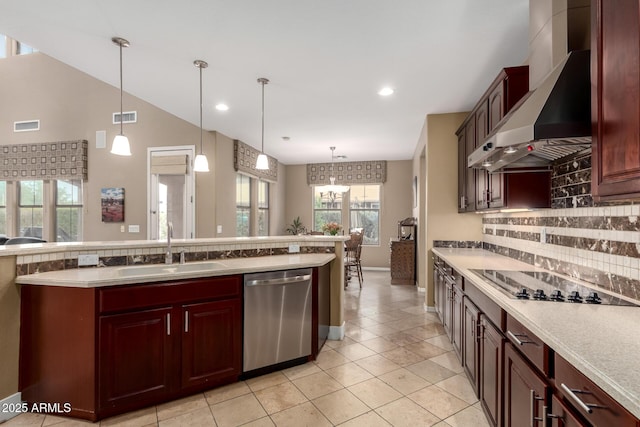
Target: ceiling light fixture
x,y
120,144
333,188
201,164
262,162
222,107
385,91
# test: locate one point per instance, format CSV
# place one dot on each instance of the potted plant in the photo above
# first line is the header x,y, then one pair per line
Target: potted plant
x,y
296,227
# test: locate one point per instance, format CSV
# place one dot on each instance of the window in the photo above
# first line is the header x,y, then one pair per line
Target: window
x,y
30,208
24,49
3,46
243,205
68,211
327,207
263,208
364,212
3,207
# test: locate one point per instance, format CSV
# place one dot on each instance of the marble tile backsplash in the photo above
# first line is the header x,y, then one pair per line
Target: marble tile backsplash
x,y
29,264
600,245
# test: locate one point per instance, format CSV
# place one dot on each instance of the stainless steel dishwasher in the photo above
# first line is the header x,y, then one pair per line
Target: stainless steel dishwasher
x,y
277,317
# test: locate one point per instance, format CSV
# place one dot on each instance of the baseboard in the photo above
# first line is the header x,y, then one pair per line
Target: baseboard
x,y
9,403
429,308
336,332
376,268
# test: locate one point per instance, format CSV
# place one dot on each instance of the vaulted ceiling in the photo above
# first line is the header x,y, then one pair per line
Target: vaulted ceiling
x,y
325,59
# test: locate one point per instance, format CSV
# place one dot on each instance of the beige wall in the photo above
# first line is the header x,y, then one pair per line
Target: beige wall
x,y
437,155
397,202
72,105
10,327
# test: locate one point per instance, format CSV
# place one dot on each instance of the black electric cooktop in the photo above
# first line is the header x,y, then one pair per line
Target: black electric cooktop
x,y
547,286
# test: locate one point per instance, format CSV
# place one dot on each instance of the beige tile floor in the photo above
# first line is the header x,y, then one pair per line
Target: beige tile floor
x,y
394,368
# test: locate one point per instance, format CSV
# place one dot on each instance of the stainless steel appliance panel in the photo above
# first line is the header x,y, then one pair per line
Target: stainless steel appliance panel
x,y
277,317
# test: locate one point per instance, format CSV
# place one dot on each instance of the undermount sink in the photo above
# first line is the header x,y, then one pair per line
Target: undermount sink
x,y
144,270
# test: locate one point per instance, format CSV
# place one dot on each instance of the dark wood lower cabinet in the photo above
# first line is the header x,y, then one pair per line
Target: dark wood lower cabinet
x,y
524,391
561,416
107,351
470,359
135,358
211,344
491,349
456,320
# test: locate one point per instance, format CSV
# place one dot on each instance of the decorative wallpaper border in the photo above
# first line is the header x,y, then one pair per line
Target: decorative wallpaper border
x,y
348,173
244,160
44,160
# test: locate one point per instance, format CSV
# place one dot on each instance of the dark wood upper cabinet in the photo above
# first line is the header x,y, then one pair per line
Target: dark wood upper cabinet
x,y
479,189
615,59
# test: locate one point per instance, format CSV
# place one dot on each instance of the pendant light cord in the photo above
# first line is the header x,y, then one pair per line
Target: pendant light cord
x,y
200,68
121,114
262,82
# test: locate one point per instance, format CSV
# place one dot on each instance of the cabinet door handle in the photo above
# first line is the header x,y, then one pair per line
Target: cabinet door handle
x,y
573,394
186,321
532,409
168,323
548,417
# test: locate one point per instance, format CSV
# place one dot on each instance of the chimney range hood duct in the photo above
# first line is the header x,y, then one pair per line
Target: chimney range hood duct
x,y
549,123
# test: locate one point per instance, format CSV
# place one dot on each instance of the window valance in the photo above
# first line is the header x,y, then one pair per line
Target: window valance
x,y
169,165
44,160
244,160
348,173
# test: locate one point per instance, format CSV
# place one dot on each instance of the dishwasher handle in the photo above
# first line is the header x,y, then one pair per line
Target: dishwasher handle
x,y
278,281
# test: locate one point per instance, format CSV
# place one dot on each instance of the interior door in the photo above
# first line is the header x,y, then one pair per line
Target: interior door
x,y
170,192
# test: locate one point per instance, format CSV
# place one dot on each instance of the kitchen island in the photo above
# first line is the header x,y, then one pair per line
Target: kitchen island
x,y
599,341
207,287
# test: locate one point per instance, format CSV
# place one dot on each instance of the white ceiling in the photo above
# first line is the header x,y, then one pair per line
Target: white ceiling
x,y
326,60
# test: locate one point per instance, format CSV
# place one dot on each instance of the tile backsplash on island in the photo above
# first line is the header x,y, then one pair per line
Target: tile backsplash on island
x,y
154,253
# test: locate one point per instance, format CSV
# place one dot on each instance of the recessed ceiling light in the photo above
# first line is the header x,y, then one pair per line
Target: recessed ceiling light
x,y
385,91
222,107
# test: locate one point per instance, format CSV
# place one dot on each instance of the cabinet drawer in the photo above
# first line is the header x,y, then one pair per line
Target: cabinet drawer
x,y
530,345
582,394
123,298
485,304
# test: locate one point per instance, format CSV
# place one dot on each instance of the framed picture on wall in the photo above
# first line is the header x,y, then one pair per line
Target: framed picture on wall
x,y
112,203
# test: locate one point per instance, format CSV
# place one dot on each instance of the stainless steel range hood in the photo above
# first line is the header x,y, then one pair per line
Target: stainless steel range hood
x,y
549,123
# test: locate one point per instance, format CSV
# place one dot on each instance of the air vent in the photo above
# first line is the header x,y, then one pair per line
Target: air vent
x,y
26,126
128,116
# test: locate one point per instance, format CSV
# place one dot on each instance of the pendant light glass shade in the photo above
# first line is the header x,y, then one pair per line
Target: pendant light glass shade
x,y
262,162
201,164
120,144
332,187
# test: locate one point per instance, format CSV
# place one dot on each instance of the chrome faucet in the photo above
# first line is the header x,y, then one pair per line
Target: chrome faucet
x,y
168,258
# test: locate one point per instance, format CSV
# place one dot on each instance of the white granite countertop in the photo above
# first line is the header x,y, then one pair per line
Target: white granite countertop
x,y
109,276
601,341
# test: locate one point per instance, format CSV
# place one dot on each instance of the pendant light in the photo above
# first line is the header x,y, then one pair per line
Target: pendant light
x,y
120,144
333,188
262,162
201,164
